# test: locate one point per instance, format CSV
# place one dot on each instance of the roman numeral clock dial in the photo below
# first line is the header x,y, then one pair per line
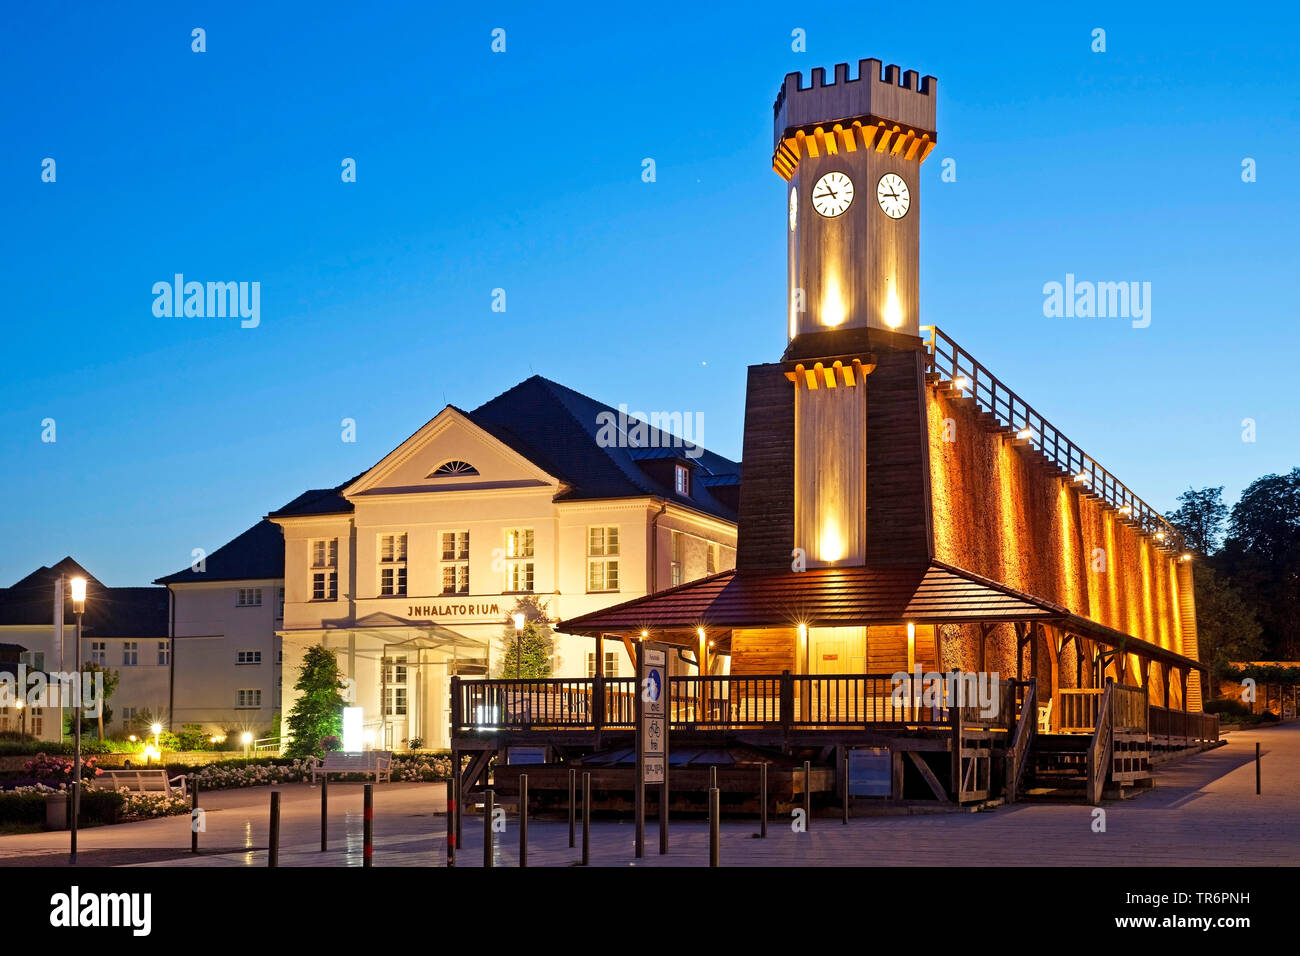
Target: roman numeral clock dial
x,y
832,195
893,196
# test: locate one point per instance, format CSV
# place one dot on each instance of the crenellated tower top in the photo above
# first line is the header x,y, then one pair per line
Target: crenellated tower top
x,y
878,108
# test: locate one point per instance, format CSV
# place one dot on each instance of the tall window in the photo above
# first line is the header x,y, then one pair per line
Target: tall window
x,y
683,480
99,653
249,597
392,564
611,663
455,562
164,653
324,570
248,697
678,557
519,559
130,653
602,558
279,605
395,686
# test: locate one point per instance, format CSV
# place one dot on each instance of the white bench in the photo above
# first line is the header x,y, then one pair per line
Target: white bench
x,y
142,781
377,762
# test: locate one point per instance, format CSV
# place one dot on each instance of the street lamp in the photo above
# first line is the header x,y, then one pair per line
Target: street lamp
x,y
156,729
519,641
78,586
247,738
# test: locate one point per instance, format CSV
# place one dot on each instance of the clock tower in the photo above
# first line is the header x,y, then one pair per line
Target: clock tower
x,y
837,465
851,152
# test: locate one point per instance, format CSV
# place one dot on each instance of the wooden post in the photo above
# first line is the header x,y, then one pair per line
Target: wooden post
x,y
458,780
325,809
273,853
368,825
457,705
194,813
451,823
762,800
715,813
489,839
586,817
523,819
954,718
573,805
638,784
787,709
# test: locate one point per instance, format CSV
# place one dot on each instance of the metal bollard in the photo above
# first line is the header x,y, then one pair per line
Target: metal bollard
x,y
324,812
523,819
715,811
194,813
489,807
845,820
368,826
807,794
1257,780
573,805
586,818
273,854
762,801
451,823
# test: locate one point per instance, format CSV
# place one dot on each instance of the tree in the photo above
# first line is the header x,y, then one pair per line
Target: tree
x,y
318,711
1200,516
538,641
1261,557
108,681
1226,627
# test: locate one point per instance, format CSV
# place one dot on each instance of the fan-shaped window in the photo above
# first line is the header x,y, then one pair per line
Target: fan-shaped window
x,y
453,469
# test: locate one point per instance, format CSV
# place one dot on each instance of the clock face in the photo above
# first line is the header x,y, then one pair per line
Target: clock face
x,y
893,196
794,208
832,194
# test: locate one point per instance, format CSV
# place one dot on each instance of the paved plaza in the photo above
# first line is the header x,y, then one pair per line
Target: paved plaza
x,y
1204,811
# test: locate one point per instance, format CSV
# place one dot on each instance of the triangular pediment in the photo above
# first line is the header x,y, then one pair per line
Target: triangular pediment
x,y
450,454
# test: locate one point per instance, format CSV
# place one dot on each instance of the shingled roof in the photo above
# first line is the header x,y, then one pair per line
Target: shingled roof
x,y
556,429
110,612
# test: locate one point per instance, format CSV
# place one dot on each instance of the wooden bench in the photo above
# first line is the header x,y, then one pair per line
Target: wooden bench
x,y
377,762
142,781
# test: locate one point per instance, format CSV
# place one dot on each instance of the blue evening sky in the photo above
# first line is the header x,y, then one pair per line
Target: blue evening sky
x,y
522,171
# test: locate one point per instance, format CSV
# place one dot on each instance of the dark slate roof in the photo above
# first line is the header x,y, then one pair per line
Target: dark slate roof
x,y
257,554
318,501
110,612
556,428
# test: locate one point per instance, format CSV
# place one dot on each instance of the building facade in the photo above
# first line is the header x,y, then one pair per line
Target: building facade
x,y
411,571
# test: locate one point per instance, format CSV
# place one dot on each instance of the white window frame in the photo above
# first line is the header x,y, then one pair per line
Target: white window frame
x,y
248,657
391,555
457,563
611,664
323,554
676,558
130,653
99,653
248,597
164,653
682,480
520,560
253,700
603,551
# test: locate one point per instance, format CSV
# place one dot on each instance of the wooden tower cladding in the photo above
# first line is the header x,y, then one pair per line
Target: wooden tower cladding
x,y
836,453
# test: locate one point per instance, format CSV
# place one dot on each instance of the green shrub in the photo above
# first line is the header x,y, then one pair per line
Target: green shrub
x,y
1227,706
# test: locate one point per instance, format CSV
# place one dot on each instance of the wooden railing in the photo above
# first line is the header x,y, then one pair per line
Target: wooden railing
x,y
967,377
1100,749
1021,740
1181,728
792,701
1078,709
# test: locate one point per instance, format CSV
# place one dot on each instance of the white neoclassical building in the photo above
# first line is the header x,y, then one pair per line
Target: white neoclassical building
x,y
419,561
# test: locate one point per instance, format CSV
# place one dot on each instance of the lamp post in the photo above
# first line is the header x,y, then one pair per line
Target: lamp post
x,y
78,608
156,729
519,642
247,739
22,715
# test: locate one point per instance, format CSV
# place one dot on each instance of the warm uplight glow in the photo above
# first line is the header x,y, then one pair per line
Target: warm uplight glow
x,y
1160,536
155,729
519,621
893,310
1081,477
1126,510
830,547
132,738
833,309
960,383
1025,434
1185,557
700,632
645,633
150,753
246,738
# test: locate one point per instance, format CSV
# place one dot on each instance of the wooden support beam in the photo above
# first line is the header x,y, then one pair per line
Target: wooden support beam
x,y
928,776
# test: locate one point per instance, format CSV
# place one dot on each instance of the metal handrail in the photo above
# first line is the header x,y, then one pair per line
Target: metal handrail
x,y
969,378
